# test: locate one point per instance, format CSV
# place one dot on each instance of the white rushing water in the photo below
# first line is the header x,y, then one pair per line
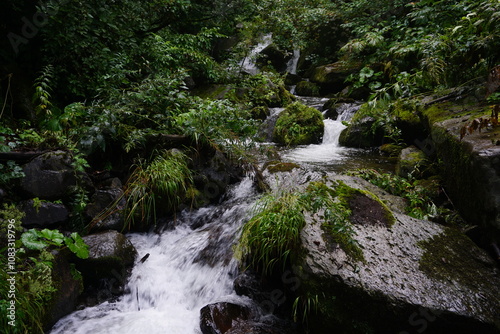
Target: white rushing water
x,y
186,270
329,151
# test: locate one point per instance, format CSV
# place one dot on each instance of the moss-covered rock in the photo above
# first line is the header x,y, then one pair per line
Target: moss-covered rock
x,y
299,124
278,166
398,279
332,77
412,162
469,167
391,150
306,88
361,133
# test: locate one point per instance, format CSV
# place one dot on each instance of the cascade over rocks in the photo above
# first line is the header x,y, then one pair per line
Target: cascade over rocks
x,y
414,274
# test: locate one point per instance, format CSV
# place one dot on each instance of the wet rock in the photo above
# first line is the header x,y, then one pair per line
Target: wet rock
x,y
247,284
275,57
219,318
414,274
412,162
391,150
359,134
43,214
111,198
111,256
51,176
214,173
470,166
255,327
332,77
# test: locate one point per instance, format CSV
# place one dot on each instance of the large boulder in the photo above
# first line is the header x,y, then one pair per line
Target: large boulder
x,y
360,134
299,124
272,55
414,276
111,257
306,88
110,198
470,165
51,176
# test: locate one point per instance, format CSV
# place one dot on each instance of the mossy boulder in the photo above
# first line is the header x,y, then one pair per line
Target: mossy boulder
x,y
391,150
299,124
361,133
412,162
306,88
415,273
332,77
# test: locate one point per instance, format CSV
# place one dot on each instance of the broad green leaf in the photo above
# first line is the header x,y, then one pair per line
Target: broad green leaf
x,y
32,240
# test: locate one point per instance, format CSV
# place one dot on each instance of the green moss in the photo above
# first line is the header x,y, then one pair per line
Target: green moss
x,y
299,124
278,166
451,256
306,88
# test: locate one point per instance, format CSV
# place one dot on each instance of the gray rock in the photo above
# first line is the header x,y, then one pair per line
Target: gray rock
x,y
46,215
111,256
415,274
50,176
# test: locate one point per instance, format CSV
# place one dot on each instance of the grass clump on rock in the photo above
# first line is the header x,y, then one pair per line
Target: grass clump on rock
x,y
299,124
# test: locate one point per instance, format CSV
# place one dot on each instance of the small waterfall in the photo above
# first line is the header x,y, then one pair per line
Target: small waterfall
x,y
329,151
186,270
291,66
248,64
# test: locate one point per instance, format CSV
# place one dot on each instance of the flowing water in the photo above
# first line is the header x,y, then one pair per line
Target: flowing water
x,y
329,155
186,270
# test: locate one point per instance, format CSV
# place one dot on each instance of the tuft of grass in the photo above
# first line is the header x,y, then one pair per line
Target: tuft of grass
x,y
164,183
272,235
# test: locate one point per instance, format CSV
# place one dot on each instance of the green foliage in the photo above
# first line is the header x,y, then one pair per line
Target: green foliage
x,y
419,202
299,124
38,240
10,171
42,98
166,180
